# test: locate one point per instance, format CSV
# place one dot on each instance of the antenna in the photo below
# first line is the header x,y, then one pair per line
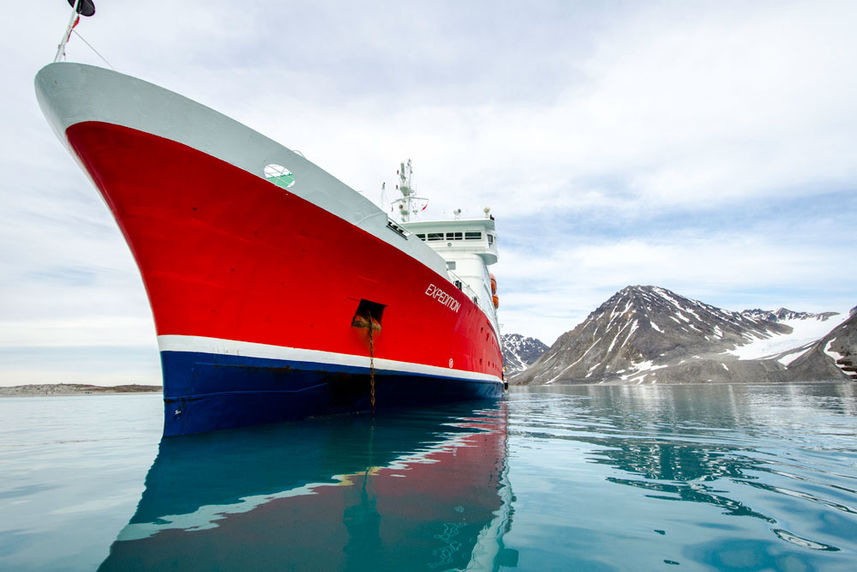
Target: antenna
x,y
409,204
78,8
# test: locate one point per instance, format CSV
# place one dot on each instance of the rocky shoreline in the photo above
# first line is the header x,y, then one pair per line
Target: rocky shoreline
x,y
63,389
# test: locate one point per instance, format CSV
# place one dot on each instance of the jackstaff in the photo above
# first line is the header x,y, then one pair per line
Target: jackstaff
x,y
78,8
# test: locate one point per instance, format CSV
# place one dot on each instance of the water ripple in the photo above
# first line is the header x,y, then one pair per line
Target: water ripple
x,y
781,455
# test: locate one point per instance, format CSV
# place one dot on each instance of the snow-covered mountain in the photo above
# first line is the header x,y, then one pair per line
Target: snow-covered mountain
x,y
838,347
784,314
519,352
806,329
647,334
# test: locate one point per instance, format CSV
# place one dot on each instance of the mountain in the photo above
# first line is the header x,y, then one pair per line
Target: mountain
x,y
519,352
783,314
647,334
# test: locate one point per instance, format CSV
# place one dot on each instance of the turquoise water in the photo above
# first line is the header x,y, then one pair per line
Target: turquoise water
x,y
727,477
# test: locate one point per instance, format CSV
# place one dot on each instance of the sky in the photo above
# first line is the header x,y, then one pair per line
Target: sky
x,y
706,147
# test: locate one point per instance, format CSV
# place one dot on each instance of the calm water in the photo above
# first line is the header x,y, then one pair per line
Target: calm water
x,y
638,478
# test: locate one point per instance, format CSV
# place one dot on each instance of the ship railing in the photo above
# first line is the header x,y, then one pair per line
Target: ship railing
x,y
463,286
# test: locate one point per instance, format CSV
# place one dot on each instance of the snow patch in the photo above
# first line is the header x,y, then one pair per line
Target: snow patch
x,y
788,358
692,313
831,353
804,333
647,365
639,371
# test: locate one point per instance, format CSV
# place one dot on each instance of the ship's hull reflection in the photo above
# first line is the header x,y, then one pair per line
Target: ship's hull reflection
x,y
410,490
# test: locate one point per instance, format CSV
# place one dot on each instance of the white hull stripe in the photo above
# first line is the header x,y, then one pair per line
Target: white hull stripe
x,y
219,346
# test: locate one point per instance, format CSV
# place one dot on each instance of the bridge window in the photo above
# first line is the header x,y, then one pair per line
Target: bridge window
x,y
435,236
473,235
453,236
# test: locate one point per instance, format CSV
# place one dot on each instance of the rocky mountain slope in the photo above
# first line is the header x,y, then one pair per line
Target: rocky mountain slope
x,y
647,334
519,352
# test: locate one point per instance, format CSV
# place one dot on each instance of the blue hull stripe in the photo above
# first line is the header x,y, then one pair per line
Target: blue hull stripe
x,y
204,391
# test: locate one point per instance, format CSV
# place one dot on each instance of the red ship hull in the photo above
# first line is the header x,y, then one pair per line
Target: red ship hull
x,y
254,292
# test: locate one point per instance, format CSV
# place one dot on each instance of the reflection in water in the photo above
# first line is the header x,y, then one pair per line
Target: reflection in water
x,y
415,489
780,454
757,477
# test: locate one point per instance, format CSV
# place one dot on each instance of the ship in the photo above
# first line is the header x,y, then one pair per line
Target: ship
x,y
277,291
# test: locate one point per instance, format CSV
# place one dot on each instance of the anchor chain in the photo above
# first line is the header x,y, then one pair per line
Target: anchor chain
x,y
371,366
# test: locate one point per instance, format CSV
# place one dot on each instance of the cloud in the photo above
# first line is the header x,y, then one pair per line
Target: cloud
x,y
671,108
77,332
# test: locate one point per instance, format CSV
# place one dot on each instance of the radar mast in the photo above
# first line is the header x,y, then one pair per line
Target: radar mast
x,y
409,204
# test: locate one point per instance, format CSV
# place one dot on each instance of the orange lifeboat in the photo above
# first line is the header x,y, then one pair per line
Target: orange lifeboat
x,y
493,284
496,300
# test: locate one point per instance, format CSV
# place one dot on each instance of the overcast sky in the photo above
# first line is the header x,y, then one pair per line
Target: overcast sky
x,y
706,147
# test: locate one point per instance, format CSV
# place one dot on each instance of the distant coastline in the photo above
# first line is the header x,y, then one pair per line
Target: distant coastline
x,y
60,389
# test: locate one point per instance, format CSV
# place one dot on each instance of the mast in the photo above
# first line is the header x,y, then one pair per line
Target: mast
x,y
409,204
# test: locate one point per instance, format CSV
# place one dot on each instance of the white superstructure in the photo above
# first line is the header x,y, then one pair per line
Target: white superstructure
x,y
468,246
